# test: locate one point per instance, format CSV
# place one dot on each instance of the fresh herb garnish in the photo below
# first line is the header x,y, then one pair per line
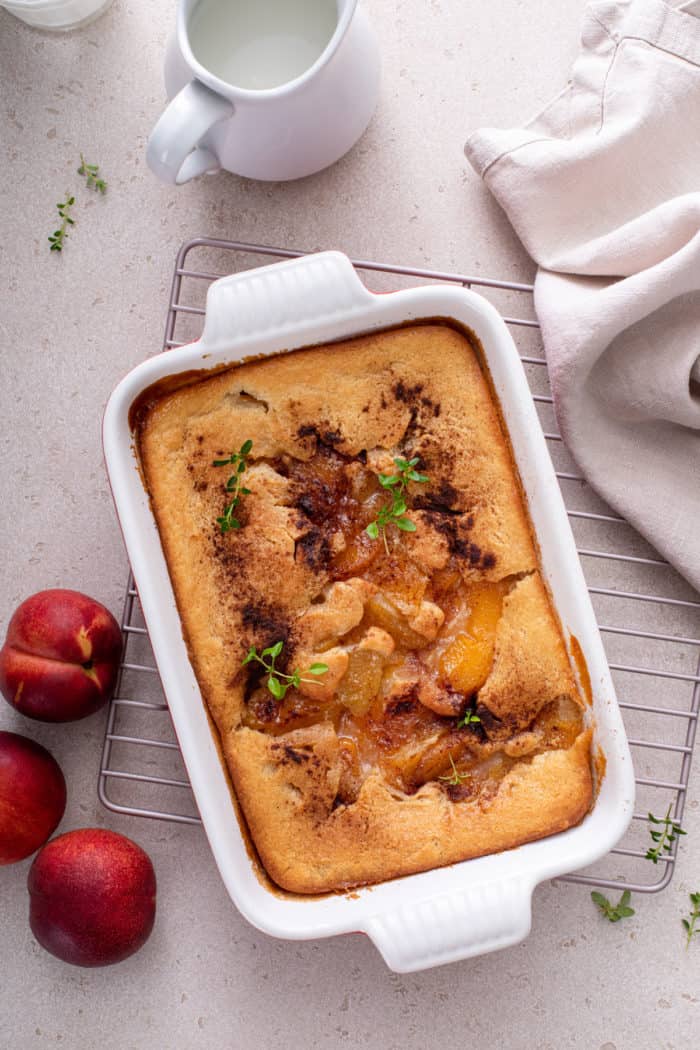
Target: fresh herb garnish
x,y
393,512
455,778
665,837
58,236
468,719
239,460
613,912
690,924
92,175
277,681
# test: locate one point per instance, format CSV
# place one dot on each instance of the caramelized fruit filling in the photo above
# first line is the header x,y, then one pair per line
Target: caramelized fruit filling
x,y
416,645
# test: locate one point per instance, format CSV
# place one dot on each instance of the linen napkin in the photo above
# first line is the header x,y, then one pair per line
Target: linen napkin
x,y
603,189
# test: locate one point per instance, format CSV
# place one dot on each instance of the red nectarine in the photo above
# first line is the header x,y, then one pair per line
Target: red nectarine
x,y
32,796
92,897
61,656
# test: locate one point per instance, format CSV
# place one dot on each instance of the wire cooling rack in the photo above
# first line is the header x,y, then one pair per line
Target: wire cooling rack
x,y
649,617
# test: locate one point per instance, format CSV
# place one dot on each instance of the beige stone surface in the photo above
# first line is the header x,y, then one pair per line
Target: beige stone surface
x,y
70,327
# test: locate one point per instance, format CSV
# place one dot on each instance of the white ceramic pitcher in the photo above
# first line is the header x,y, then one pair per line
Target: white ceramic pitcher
x,y
274,133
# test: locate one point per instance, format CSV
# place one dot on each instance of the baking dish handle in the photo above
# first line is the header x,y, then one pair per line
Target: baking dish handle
x,y
453,926
322,287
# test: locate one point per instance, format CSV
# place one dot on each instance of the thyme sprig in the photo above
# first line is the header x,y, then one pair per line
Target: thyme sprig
x,y
58,236
664,837
91,172
277,681
690,925
234,485
393,512
455,778
468,718
613,912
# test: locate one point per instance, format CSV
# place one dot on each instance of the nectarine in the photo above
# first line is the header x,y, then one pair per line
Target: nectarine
x,y
61,656
32,796
92,897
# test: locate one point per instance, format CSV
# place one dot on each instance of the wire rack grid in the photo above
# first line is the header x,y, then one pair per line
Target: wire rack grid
x,y
649,617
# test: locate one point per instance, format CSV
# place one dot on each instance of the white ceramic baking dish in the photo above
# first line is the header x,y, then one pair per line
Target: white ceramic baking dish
x,y
437,916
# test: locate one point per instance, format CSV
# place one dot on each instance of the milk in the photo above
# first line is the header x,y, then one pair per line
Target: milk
x,y
56,14
258,44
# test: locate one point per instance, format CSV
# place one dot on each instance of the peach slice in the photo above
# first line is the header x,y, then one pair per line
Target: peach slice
x,y
361,681
466,662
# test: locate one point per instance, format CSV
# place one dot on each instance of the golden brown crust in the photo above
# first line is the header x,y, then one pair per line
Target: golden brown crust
x,y
323,421
287,792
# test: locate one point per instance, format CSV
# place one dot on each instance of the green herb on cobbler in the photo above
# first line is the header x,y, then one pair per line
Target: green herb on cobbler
x,y
455,778
468,718
394,511
277,681
239,460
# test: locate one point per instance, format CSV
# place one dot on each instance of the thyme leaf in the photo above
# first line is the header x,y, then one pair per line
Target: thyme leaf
x,y
455,778
57,238
690,925
92,175
394,510
613,912
468,718
239,460
277,681
667,833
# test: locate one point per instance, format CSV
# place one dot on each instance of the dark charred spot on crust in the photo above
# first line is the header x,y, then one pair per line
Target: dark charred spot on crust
x,y
460,792
200,438
329,438
485,559
200,486
384,402
401,706
313,547
265,705
265,623
408,394
305,504
455,527
442,499
298,757
365,408
414,397
362,456
490,726
449,527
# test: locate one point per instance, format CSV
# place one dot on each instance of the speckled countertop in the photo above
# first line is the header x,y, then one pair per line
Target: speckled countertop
x,y
71,327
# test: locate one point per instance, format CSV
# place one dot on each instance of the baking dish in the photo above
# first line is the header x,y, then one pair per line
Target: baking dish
x,y
436,916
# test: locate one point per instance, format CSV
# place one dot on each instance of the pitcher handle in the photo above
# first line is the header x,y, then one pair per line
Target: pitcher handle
x,y
172,152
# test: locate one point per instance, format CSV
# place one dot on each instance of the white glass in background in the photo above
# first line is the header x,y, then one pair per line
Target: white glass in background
x,y
58,15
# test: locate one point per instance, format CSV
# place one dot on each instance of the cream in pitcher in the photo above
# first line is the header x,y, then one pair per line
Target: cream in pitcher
x,y
269,89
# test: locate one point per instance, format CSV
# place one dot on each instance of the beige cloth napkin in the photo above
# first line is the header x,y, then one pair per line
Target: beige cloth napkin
x,y
603,188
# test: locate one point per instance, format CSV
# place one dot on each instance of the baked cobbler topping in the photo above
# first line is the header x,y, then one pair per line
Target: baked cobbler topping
x,y
406,642
360,594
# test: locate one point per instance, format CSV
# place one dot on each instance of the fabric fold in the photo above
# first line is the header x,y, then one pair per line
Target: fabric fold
x,y
603,189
